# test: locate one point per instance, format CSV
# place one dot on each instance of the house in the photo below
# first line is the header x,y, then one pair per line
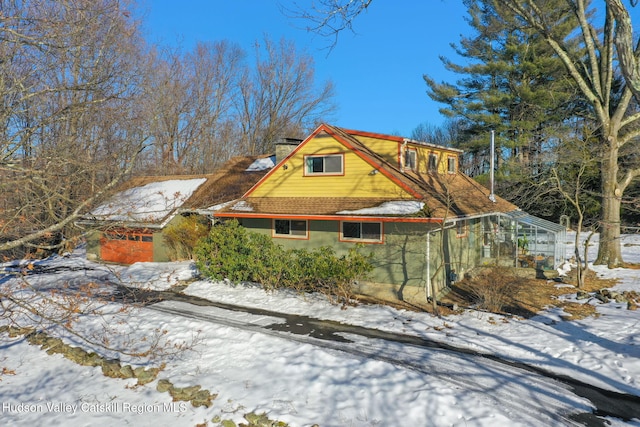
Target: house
x,y
130,226
404,201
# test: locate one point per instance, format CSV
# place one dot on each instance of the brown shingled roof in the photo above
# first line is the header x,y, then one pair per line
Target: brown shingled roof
x,y
445,195
228,183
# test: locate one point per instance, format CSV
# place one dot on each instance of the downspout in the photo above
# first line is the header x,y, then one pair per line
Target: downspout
x,y
403,147
428,261
492,150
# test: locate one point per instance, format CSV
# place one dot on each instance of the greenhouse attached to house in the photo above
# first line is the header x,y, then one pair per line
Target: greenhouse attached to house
x,y
523,240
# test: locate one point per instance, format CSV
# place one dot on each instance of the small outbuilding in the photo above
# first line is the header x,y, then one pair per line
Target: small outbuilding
x,y
130,226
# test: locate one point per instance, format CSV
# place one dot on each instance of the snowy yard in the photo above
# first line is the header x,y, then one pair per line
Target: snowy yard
x,y
304,384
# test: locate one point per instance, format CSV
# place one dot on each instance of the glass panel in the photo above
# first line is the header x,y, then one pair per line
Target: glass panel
x,y
147,238
299,228
282,226
333,164
452,164
316,165
351,230
371,230
433,162
410,159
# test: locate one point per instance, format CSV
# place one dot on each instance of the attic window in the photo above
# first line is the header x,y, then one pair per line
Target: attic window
x,y
410,159
331,164
370,232
451,164
433,162
291,228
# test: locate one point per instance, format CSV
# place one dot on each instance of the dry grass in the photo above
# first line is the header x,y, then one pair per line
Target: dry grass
x,y
533,297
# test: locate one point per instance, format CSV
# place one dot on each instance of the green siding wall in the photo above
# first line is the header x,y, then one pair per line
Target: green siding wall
x,y
401,258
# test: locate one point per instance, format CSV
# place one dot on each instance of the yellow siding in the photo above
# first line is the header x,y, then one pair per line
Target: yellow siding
x,y
383,147
357,181
423,154
390,151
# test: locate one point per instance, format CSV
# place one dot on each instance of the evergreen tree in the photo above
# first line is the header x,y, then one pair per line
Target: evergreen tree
x,y
511,83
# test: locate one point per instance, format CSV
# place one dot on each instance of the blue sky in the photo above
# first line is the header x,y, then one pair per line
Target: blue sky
x,y
377,72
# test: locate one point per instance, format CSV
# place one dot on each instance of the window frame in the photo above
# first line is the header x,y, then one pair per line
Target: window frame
x,y
414,154
361,239
309,157
452,160
432,166
289,235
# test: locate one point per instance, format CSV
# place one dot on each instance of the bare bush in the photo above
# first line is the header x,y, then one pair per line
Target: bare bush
x,y
493,288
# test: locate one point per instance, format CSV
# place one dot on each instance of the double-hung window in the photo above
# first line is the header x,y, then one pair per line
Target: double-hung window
x,y
330,164
291,228
433,162
451,164
410,159
352,231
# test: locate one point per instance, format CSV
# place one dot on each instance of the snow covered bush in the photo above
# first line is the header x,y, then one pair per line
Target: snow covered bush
x,y
231,252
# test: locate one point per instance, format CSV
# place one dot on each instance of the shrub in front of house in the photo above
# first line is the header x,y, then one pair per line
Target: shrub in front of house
x,y
494,288
231,252
182,236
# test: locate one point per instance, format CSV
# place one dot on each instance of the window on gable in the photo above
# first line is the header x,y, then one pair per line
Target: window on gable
x,y
331,164
361,231
433,162
292,228
410,159
451,164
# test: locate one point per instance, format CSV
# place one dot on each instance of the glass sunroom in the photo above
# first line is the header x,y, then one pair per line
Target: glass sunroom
x,y
523,240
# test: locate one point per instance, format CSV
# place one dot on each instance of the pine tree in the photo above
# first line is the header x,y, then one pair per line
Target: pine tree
x,y
511,83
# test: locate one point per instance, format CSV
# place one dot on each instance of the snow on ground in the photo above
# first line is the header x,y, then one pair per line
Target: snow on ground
x,y
303,384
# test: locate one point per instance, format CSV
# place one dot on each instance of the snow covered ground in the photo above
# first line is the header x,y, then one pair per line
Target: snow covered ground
x,y
303,384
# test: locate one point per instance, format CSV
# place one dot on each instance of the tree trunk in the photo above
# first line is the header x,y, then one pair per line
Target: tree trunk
x,y
609,249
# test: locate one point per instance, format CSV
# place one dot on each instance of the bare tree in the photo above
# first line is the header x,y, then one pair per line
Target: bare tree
x,y
278,97
628,54
69,125
190,107
569,178
329,18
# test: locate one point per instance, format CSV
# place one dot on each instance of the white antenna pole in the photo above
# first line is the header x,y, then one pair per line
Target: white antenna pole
x,y
492,149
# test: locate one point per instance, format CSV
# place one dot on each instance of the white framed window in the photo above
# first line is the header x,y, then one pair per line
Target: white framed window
x,y
290,228
329,164
433,162
410,159
353,231
451,165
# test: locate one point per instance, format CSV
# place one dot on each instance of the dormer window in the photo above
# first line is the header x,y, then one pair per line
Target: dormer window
x,y
451,165
331,164
410,159
433,162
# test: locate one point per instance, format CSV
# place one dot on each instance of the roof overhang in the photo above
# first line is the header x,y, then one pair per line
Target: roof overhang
x,y
330,217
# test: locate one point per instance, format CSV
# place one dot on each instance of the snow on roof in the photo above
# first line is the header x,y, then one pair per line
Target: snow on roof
x,y
150,202
242,206
262,164
399,207
219,206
